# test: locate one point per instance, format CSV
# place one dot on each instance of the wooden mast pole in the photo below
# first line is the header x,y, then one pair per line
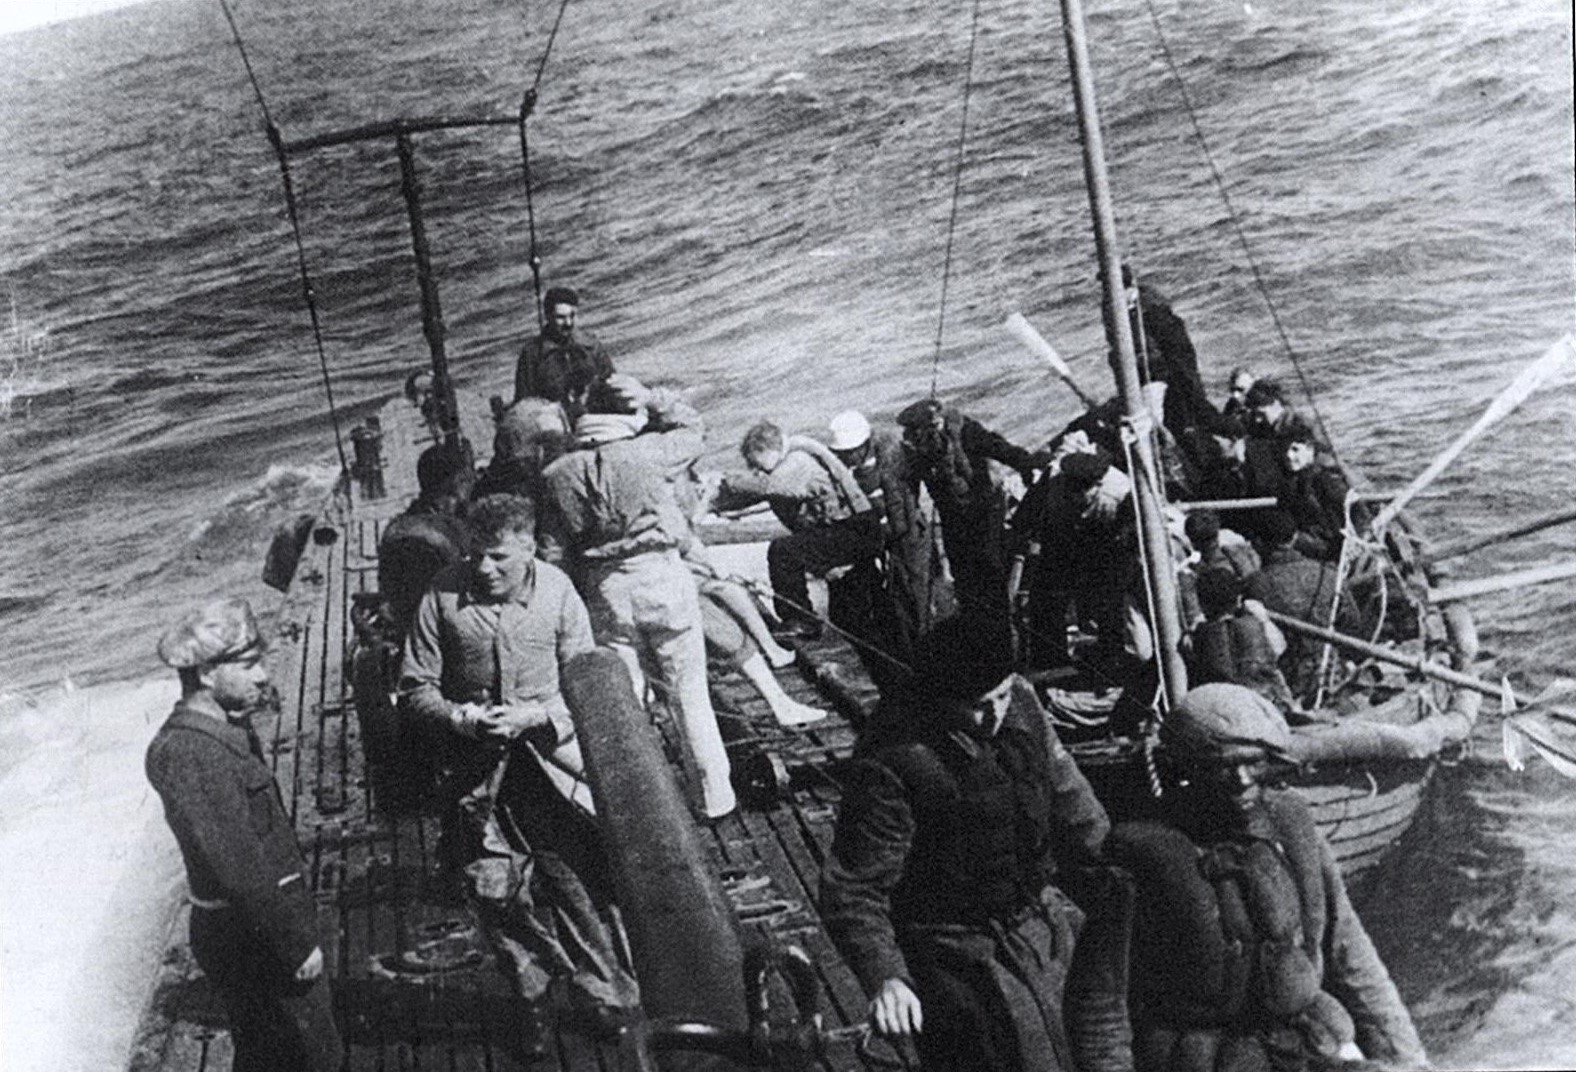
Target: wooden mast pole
x,y
1160,574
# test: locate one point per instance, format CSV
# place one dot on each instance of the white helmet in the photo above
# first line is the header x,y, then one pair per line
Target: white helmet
x,y
849,430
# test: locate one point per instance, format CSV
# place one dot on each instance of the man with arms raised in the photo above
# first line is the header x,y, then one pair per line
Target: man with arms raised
x,y
254,922
482,668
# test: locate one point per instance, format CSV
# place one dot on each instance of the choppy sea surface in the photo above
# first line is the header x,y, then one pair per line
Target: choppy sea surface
x,y
753,199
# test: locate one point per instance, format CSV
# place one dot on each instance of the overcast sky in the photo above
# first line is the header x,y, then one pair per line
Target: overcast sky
x,y
20,14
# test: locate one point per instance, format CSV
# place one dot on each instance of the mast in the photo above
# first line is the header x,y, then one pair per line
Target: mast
x,y
1155,545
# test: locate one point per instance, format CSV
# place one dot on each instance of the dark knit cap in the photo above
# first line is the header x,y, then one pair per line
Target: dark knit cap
x,y
1084,470
1297,430
919,414
963,659
1262,391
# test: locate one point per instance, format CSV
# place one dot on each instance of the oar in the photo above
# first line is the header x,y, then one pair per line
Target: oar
x,y
1417,663
1518,732
1035,343
1456,548
1531,378
1264,501
1503,582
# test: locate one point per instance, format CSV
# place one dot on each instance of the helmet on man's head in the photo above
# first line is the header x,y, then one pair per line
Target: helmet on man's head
x,y
1222,724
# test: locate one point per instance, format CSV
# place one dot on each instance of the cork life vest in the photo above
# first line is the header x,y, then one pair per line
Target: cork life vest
x,y
1228,934
1236,650
982,811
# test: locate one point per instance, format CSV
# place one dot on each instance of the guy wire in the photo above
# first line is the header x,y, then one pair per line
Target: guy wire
x,y
276,139
1236,226
957,187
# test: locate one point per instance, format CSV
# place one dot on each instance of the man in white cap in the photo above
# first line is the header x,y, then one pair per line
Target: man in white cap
x,y
253,921
1246,952
902,610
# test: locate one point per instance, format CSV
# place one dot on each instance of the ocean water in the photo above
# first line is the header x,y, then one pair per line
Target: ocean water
x,y
753,199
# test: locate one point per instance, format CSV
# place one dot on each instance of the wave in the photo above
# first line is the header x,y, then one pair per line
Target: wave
x,y
90,876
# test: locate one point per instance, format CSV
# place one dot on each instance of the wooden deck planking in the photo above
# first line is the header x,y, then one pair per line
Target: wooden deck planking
x,y
373,872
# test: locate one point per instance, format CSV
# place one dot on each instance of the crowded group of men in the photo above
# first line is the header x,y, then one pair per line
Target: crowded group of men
x,y
968,841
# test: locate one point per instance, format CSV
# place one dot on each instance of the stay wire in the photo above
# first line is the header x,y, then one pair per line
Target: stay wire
x,y
957,188
527,106
277,140
1237,229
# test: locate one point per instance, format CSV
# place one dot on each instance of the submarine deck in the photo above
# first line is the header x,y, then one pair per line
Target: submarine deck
x,y
414,985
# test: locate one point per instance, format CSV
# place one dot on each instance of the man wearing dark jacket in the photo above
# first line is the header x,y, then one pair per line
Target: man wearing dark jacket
x,y
951,454
559,365
959,808
1292,584
253,921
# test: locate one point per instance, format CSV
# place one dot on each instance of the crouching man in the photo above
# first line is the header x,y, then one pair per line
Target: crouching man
x,y
959,808
253,923
481,669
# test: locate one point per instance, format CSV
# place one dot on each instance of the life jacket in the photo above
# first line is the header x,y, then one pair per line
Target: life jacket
x,y
959,483
1228,935
1237,650
982,817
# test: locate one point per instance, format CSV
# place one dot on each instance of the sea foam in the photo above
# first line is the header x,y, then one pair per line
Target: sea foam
x,y
91,874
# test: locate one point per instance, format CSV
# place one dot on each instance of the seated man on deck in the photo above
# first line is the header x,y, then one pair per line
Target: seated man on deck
x,y
558,364
1080,521
429,536
1299,587
482,666
1219,548
829,520
1246,953
960,807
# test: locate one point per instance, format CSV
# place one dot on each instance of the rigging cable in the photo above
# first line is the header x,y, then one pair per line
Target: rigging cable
x,y
527,106
1236,226
276,139
957,187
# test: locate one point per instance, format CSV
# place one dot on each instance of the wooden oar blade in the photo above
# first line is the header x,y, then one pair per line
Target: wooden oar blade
x,y
1031,340
1521,732
1555,360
